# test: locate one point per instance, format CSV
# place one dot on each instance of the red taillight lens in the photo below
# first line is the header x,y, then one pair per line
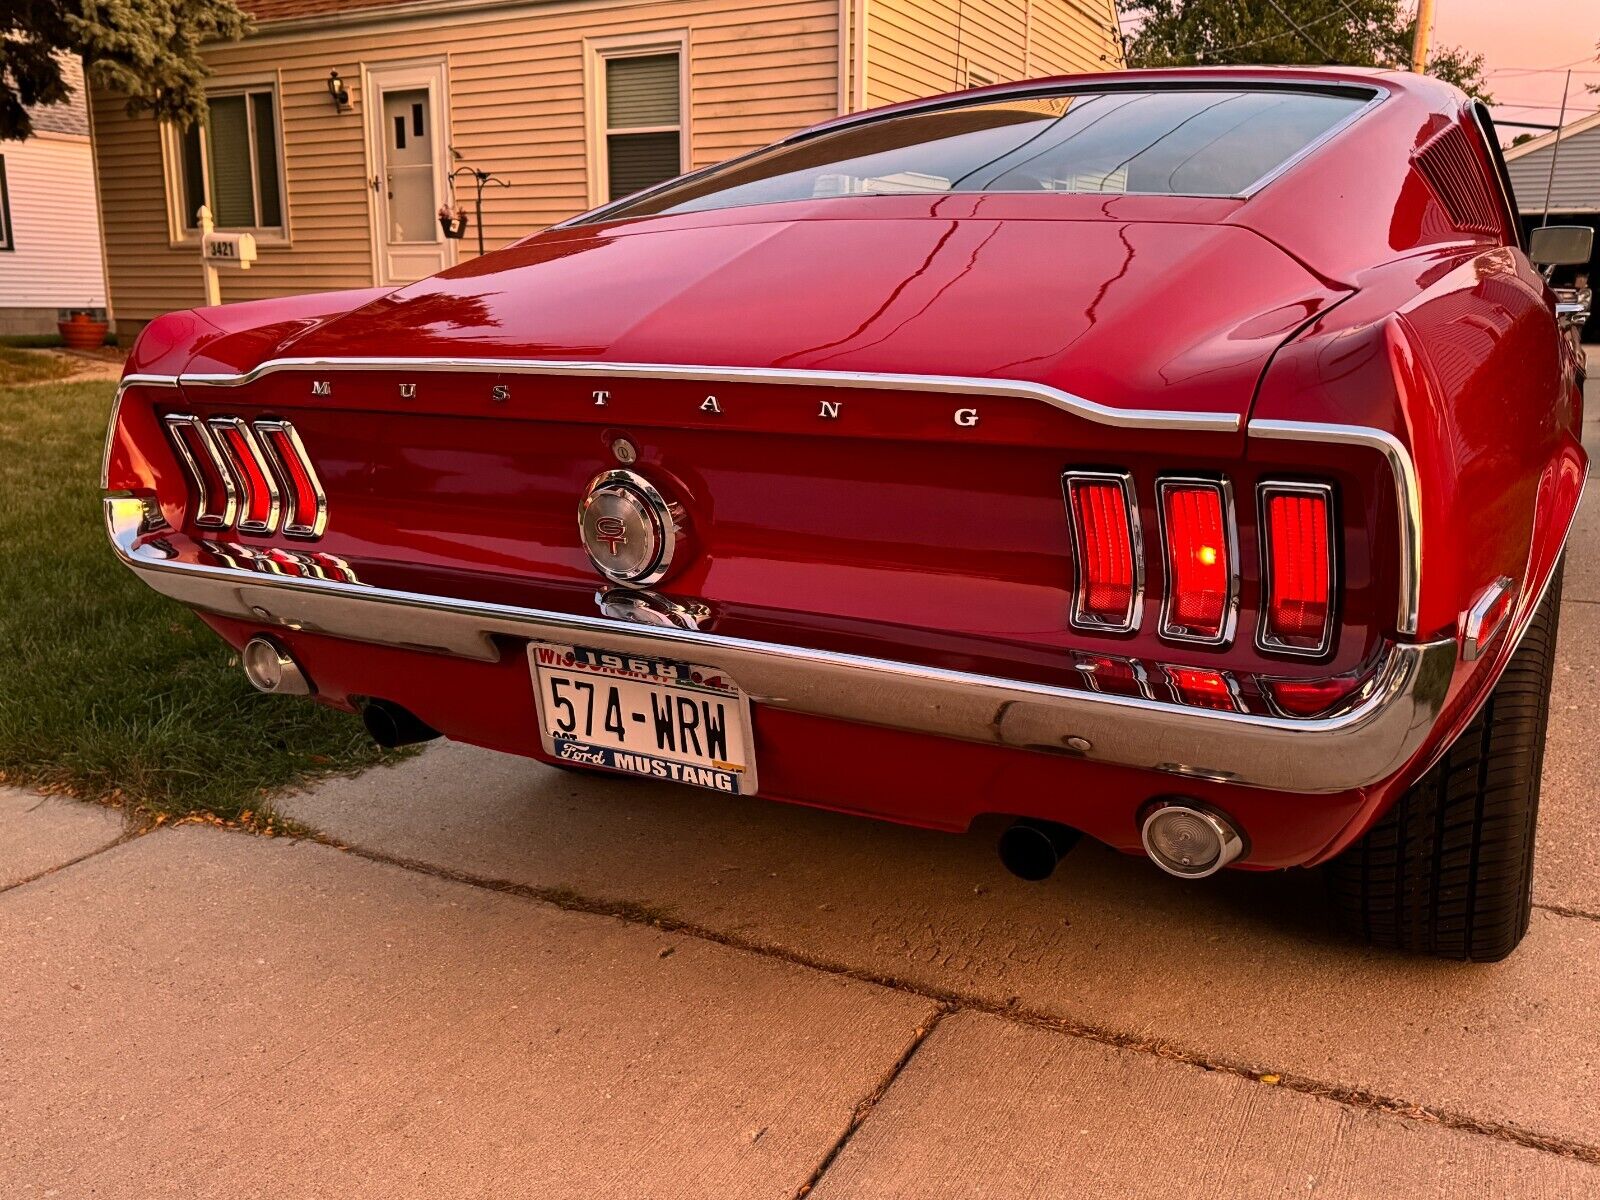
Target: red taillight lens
x,y
1297,611
1202,688
1105,544
1113,676
210,476
258,509
307,508
1196,522
1308,697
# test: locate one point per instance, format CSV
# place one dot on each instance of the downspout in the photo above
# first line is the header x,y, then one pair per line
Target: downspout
x,y
861,55
99,208
844,57
1027,40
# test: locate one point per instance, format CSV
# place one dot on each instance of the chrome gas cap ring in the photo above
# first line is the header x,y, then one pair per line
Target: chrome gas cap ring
x,y
629,529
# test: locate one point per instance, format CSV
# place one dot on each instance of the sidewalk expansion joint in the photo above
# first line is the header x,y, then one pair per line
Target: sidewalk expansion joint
x,y
870,1101
950,1000
122,839
1563,910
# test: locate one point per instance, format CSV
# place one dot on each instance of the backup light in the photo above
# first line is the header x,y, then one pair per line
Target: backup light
x,y
1105,549
1298,568
1203,688
1197,529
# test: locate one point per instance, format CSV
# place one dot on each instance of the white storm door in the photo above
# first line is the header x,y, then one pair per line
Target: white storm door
x,y
407,157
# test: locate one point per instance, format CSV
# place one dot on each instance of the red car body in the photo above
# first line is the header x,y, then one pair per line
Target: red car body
x,y
862,407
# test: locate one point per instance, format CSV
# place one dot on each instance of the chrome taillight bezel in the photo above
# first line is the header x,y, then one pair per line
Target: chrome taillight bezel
x,y
1230,532
269,476
204,516
1076,617
294,527
1265,639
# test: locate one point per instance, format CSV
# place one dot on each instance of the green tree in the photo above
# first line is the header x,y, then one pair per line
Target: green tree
x,y
1362,33
146,50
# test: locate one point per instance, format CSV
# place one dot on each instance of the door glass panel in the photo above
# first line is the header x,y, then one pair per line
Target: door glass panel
x,y
408,162
233,200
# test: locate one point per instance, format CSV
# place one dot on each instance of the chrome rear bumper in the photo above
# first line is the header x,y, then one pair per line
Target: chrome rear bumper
x,y
1365,744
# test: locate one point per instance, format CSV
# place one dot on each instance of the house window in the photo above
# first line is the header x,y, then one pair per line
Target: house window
x,y
641,119
6,242
977,77
230,163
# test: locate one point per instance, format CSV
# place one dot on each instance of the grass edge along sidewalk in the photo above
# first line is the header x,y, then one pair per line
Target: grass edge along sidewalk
x,y
109,691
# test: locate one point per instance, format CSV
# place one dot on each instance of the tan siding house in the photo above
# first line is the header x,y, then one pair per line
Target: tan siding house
x,y
571,103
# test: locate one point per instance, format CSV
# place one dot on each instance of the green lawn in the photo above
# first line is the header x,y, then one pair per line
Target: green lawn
x,y
107,690
31,366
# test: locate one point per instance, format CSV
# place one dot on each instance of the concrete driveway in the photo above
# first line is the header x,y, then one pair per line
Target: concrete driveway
x,y
500,979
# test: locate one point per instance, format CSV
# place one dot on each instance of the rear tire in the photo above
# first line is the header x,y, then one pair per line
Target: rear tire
x,y
1448,871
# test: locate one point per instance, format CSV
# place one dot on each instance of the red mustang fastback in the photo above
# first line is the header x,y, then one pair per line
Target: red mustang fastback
x,y
1182,458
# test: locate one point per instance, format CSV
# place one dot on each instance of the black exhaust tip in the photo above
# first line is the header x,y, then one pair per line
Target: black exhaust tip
x,y
1032,849
392,725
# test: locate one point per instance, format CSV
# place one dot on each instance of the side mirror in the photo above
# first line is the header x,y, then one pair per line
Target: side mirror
x,y
1561,245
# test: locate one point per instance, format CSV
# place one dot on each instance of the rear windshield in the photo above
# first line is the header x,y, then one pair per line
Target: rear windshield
x,y
1195,142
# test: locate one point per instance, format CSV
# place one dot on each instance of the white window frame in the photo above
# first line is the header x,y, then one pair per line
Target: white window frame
x,y
597,52
179,231
8,233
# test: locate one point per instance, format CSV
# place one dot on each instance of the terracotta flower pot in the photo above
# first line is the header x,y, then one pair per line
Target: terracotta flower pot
x,y
82,332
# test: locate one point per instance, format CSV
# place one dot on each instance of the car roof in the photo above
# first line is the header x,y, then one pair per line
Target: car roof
x,y
1367,79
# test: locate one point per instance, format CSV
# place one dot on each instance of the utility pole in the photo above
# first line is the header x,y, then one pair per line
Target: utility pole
x,y
1419,48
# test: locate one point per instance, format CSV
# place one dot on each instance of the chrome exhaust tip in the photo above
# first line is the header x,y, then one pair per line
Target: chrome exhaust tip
x,y
270,668
1188,841
1032,850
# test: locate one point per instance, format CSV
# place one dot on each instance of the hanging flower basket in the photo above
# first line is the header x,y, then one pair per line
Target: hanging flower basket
x,y
453,221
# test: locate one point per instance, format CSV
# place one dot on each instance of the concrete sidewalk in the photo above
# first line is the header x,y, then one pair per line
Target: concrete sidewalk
x,y
515,981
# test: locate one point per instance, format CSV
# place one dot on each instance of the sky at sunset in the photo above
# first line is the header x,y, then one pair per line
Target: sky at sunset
x,y
1524,42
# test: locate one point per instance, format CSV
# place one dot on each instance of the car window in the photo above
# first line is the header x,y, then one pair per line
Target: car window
x,y
1194,142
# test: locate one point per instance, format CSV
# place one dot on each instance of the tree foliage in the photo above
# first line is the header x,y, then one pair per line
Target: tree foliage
x,y
1363,33
146,50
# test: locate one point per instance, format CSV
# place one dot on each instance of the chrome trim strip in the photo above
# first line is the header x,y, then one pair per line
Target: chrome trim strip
x,y
1368,742
319,522
1265,490
1230,531
253,447
1130,507
1407,495
964,385
203,515
1475,638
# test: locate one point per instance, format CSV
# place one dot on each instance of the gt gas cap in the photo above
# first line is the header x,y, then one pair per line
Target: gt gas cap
x,y
629,528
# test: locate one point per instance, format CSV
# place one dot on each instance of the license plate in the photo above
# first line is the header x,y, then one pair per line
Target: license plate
x,y
644,716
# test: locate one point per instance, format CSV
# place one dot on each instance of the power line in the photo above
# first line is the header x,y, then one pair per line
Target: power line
x,y
1310,41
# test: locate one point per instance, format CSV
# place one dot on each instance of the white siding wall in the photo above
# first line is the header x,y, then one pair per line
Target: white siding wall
x,y
56,263
1577,181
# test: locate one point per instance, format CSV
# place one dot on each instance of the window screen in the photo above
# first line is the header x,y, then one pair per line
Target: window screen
x,y
231,163
644,130
1196,142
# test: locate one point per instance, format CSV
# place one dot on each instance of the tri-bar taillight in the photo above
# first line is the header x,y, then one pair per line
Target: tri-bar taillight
x,y
1199,552
253,476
